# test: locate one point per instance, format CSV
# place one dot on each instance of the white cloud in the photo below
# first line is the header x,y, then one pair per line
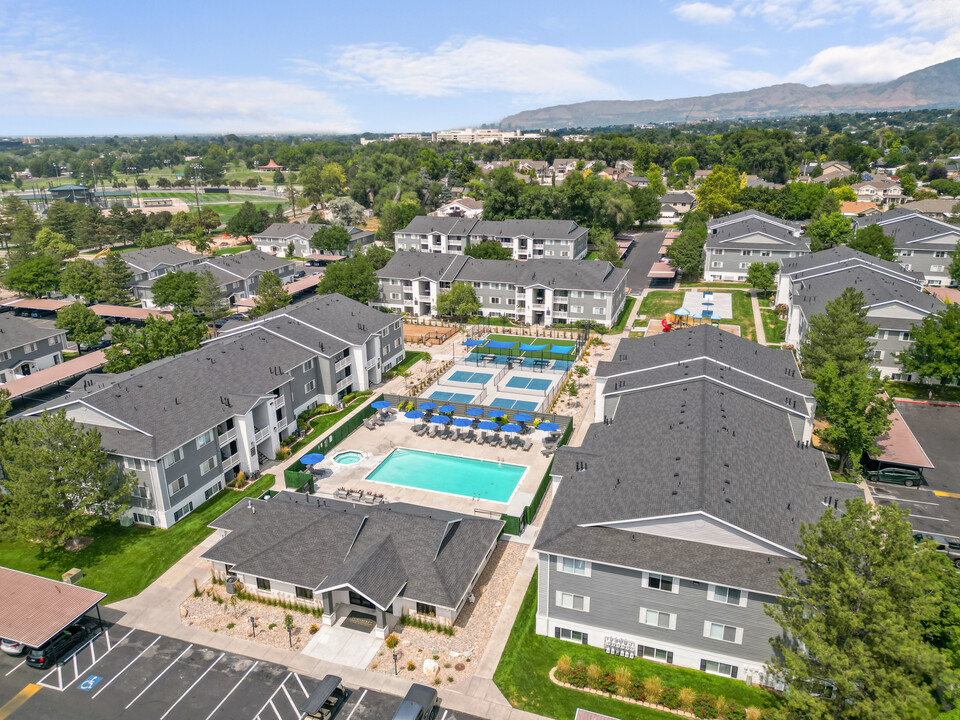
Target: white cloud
x,y
54,85
704,13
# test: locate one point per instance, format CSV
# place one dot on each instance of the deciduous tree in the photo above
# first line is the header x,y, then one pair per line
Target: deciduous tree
x,y
81,279
873,241
333,238
346,211
82,324
459,301
158,338
178,289
761,275
34,276
248,221
935,352
489,250
354,278
378,255
717,194
829,231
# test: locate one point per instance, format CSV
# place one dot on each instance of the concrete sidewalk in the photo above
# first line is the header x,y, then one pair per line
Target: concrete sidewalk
x,y
758,319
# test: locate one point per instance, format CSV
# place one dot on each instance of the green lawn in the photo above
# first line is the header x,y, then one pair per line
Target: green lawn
x,y
123,561
410,357
919,391
624,314
658,303
522,675
743,314
773,326
233,250
592,255
322,423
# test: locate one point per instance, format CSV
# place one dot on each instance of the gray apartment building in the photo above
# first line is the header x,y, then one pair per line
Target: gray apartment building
x,y
737,241
536,292
893,297
671,521
238,275
526,239
187,424
151,263
276,239
26,348
922,244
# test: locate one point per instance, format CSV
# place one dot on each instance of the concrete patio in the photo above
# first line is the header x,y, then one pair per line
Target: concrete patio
x,y
343,645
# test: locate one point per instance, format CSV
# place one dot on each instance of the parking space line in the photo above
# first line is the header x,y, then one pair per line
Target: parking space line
x,y
22,662
943,493
270,700
444,716
250,670
927,517
275,711
894,497
162,673
300,683
107,684
289,699
354,709
11,706
170,709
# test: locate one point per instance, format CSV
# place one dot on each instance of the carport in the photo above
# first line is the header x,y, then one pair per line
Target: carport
x,y
34,609
662,273
900,447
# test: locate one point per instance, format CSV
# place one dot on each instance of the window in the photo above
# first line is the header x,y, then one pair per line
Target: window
x,y
185,510
52,341
174,457
308,365
212,490
143,519
717,252
32,347
177,485
133,463
598,311
716,264
494,301
424,609
304,593
204,439
718,668
764,253
662,582
730,596
310,386
208,465
394,296
905,336
719,631
576,308
658,618
744,266
263,584
936,268
651,653
572,635
5,355
940,254
906,253
572,566
573,602
140,491
746,253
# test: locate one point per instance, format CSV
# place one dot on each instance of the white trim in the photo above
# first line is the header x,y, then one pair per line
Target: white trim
x,y
671,623
712,594
351,587
584,598
707,625
674,582
585,573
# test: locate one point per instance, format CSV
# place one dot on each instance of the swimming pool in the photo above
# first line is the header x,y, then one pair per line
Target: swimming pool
x,y
470,377
468,477
451,397
505,404
518,381
349,457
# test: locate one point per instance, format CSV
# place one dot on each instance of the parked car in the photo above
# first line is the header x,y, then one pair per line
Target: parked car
x,y
220,322
325,702
65,644
103,342
12,647
420,703
299,274
950,548
901,476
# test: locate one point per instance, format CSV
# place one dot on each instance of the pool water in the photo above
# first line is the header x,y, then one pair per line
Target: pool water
x,y
350,457
468,477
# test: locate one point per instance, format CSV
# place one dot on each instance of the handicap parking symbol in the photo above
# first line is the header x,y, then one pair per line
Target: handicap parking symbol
x,y
90,683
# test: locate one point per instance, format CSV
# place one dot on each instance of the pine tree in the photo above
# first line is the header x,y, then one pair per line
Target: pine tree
x,y
839,334
271,295
114,281
211,301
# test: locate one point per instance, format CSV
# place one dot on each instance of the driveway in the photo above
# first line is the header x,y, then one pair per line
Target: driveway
x,y
643,254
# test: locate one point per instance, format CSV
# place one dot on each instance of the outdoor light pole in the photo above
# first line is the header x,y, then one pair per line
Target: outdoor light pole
x,y
395,657
290,634
253,624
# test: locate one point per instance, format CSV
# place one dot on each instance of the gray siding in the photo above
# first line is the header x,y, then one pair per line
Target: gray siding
x,y
49,352
728,260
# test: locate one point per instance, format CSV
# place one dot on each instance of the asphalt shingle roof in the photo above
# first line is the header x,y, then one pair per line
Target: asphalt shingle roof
x,y
16,332
839,257
907,228
546,229
812,293
148,259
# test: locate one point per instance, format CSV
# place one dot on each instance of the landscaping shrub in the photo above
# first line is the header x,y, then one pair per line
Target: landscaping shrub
x,y
623,681
686,697
231,626
314,629
283,453
705,706
411,666
721,707
563,668
653,688
391,641
670,697
594,674
416,622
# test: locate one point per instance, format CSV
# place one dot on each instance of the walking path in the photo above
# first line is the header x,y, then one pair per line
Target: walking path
x,y
758,319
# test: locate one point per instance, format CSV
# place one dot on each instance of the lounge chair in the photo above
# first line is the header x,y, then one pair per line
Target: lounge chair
x,y
420,429
368,498
377,420
499,441
392,411
547,450
369,425
483,438
527,444
515,442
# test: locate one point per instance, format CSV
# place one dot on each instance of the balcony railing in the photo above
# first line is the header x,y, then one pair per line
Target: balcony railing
x,y
344,382
228,436
342,363
279,400
373,362
230,460
261,434
142,502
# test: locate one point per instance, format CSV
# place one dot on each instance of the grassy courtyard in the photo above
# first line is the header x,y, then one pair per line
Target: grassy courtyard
x,y
773,327
123,561
522,675
660,303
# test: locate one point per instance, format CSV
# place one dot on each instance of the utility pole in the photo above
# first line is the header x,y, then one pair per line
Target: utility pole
x,y
197,167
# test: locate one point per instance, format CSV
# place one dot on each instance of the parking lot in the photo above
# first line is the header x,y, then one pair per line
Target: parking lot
x,y
126,673
935,507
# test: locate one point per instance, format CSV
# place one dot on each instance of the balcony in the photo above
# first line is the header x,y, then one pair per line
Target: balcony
x,y
230,460
261,434
228,436
279,400
342,363
145,503
373,362
344,382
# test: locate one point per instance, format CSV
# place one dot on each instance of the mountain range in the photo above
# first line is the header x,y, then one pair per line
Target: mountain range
x,y
937,86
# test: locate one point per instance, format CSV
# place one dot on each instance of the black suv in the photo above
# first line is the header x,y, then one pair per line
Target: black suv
x,y
65,644
420,703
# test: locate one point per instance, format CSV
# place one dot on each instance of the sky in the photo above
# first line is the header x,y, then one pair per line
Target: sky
x,y
102,67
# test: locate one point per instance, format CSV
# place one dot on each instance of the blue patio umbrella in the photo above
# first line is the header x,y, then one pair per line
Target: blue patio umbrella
x,y
446,408
488,425
440,419
381,404
474,412
511,427
548,426
462,422
312,458
495,413
522,417
414,414
427,406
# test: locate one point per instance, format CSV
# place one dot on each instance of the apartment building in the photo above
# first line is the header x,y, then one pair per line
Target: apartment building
x,y
276,239
672,520
737,241
922,244
536,292
465,207
187,424
526,239
894,299
26,348
151,263
880,191
483,135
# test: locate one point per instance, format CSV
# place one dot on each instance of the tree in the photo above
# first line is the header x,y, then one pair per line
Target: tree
x,y
332,179
840,335
717,194
864,599
210,301
761,275
954,267
396,216
158,338
35,275
873,241
354,278
60,482
646,204
83,325
606,247
333,238
81,279
346,211
685,167
154,238
829,231
163,182
271,295
178,289
278,178
654,175
143,183
378,255
248,221
250,183
935,352
183,223
686,252
489,250
459,301
53,244
114,280
856,410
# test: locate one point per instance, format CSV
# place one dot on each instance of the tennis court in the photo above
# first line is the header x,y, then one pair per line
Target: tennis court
x,y
505,404
451,397
518,381
470,377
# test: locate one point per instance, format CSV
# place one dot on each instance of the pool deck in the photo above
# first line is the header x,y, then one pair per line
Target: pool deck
x,y
396,432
